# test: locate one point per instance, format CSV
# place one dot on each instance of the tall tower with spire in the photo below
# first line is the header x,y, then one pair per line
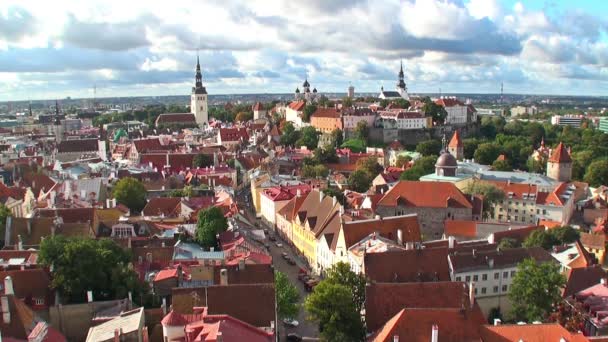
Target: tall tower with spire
x,y
198,101
401,87
58,126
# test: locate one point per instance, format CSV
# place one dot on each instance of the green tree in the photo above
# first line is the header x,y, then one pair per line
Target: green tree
x,y
429,147
565,234
597,173
508,243
211,221
4,213
580,161
402,103
130,192
491,195
308,111
384,103
202,160
290,135
333,192
421,167
355,145
535,289
287,296
403,161
243,116
340,273
315,171
331,306
540,238
347,102
535,166
487,153
434,110
309,137
359,181
370,166
337,137
502,165
83,264
362,131
470,145
325,155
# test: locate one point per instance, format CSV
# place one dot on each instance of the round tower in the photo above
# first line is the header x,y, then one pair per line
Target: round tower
x,y
559,165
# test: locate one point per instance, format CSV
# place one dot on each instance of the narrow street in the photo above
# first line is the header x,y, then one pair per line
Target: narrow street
x,y
305,328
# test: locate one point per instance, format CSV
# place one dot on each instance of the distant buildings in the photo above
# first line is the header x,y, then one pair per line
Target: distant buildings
x,y
401,89
521,110
603,126
567,120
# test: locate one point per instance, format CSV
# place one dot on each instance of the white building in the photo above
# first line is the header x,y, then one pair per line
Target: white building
x,y
401,119
457,112
492,271
567,120
401,89
521,110
293,113
198,100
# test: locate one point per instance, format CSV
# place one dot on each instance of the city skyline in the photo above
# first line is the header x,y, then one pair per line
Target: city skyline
x,y
456,46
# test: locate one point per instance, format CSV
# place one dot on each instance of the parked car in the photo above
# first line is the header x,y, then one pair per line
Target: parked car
x,y
293,337
272,238
284,255
305,278
310,285
302,275
280,245
290,322
267,245
290,261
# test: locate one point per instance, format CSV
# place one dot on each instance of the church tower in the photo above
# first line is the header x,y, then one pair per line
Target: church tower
x,y
559,165
455,147
401,87
58,126
198,101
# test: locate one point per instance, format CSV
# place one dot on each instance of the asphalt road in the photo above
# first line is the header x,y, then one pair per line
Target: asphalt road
x,y
305,328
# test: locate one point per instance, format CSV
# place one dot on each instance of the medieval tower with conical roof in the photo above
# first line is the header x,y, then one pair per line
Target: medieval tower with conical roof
x,y
559,165
198,101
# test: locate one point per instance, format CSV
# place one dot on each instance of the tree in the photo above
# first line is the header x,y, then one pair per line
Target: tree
x,y
565,234
421,167
597,173
202,160
333,192
337,137
362,131
487,153
130,192
332,307
502,165
359,181
508,243
307,112
325,155
429,147
355,145
402,103
434,110
347,102
403,161
315,171
211,221
290,135
83,264
287,296
309,137
370,166
540,238
340,273
491,195
4,213
470,145
535,289
535,166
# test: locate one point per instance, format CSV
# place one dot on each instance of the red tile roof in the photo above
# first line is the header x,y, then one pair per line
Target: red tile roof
x,y
578,279
83,145
29,283
176,118
330,112
297,105
230,328
449,102
460,228
529,333
425,194
455,141
159,206
177,161
428,264
257,106
284,193
166,274
145,145
234,134
387,227
560,155
174,319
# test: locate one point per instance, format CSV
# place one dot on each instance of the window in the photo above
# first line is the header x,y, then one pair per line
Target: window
x,y
512,274
495,289
496,275
475,278
467,279
484,277
475,290
505,275
39,301
483,290
458,278
504,288
544,211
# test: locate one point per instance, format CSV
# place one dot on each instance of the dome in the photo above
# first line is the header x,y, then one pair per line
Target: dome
x,y
297,90
306,84
314,90
446,160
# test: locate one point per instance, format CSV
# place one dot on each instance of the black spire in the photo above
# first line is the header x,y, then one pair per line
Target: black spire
x,y
30,106
198,85
57,121
401,83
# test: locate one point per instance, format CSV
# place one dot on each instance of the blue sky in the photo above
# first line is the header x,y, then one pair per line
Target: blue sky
x,y
130,48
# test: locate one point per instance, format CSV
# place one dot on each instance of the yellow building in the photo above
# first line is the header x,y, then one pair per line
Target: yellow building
x,y
256,191
310,221
595,244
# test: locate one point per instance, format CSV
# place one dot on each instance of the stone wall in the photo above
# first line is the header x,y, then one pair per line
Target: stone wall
x,y
414,136
431,220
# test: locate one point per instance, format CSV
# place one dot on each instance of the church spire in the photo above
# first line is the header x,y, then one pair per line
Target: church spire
x,y
198,78
57,121
401,83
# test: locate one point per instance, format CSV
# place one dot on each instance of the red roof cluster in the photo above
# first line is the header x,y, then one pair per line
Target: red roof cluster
x,y
425,194
560,155
234,134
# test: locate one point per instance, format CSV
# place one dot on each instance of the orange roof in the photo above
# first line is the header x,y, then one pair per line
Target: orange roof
x,y
455,141
528,333
460,228
549,224
560,155
425,194
297,105
166,274
584,259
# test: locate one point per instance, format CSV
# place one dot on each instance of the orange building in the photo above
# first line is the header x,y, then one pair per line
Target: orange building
x,y
325,120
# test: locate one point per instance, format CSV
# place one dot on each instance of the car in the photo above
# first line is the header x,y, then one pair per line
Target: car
x,y
305,279
290,322
266,231
293,337
310,285
280,245
267,245
284,255
302,275
290,261
272,238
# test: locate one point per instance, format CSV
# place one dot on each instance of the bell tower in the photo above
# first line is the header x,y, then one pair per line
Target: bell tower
x,y
198,101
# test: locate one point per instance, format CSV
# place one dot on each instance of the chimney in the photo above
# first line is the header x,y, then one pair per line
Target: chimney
x,y
140,259
90,296
130,296
603,281
223,276
6,311
474,251
378,217
396,338
180,275
19,242
164,306
320,196
298,193
491,262
399,237
8,286
472,293
451,241
497,321
241,264
435,333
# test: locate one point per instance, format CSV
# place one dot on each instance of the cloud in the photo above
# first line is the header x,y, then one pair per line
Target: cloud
x,y
16,23
108,36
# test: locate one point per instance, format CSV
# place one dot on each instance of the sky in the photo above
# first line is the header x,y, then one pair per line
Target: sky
x,y
60,48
